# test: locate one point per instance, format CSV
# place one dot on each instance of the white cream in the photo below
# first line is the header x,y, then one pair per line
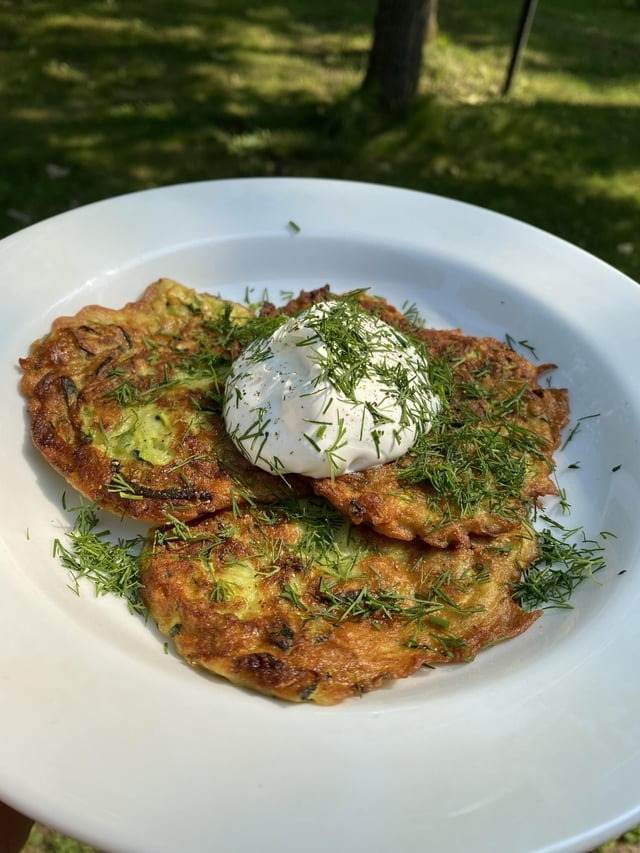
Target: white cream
x,y
286,415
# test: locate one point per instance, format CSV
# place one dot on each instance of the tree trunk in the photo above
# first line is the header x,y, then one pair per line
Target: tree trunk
x,y
395,59
432,20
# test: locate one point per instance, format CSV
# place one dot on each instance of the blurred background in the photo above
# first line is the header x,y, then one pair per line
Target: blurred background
x,y
101,97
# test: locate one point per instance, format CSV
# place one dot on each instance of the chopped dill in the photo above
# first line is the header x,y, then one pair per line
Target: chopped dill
x,y
449,643
121,487
112,567
438,621
319,523
227,331
195,457
358,603
577,427
413,315
332,454
616,468
222,590
291,593
574,431
470,457
511,343
124,394
528,346
294,226
563,501
178,531
478,453
312,442
560,567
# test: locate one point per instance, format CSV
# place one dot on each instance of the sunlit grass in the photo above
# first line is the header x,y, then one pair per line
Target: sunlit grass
x,y
115,93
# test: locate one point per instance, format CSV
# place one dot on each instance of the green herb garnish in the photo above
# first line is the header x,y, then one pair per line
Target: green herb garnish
x,y
477,452
577,427
560,567
123,488
111,567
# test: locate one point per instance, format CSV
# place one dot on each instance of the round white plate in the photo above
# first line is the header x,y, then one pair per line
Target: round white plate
x,y
534,746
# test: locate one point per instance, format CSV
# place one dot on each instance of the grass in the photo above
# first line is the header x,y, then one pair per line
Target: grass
x,y
44,840
100,97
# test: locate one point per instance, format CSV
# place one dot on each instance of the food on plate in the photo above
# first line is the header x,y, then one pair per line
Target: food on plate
x,y
489,454
126,404
333,390
295,602
341,495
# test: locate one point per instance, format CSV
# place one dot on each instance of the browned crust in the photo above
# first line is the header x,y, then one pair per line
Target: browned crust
x,y
277,649
76,367
71,368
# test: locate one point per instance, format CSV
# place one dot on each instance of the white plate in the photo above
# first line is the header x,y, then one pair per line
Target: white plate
x,y
534,746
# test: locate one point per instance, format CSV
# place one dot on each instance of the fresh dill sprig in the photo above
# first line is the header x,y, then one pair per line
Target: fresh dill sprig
x,y
335,550
319,523
357,346
222,590
112,567
291,593
559,568
332,453
123,488
194,457
226,331
358,603
449,643
563,501
178,531
478,452
577,427
511,343
222,339
413,315
124,394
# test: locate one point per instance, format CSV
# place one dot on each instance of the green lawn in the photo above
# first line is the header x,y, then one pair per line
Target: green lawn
x,y
100,98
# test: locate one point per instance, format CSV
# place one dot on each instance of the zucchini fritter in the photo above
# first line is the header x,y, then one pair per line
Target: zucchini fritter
x,y
125,404
489,454
294,602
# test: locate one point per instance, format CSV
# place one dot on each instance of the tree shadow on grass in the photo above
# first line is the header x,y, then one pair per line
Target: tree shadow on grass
x,y
127,102
598,40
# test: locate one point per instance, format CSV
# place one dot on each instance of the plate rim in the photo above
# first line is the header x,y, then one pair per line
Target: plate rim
x,y
597,834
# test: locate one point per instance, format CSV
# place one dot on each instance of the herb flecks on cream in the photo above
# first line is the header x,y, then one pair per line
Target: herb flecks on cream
x,y
334,390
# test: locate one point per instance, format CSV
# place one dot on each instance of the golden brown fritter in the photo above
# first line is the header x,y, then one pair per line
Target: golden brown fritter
x,y
125,404
300,605
489,454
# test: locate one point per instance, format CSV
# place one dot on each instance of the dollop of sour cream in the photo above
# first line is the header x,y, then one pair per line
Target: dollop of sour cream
x,y
333,390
